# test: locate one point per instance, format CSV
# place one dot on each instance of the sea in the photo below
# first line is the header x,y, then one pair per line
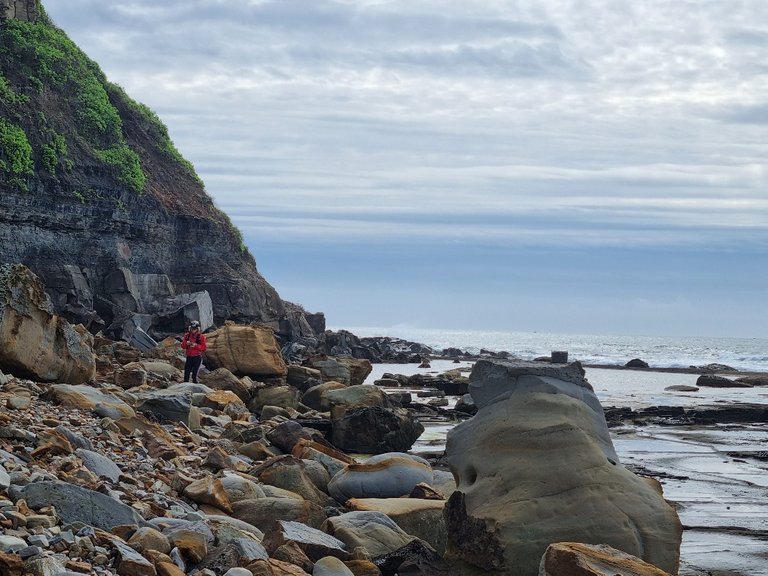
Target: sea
x,y
743,354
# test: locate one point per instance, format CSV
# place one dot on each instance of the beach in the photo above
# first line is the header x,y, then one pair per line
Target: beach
x,y
715,474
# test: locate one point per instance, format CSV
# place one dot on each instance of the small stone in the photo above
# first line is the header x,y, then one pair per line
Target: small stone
x,y
38,540
79,566
29,552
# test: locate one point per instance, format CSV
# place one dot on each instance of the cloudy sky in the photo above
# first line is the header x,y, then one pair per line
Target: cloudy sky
x,y
576,166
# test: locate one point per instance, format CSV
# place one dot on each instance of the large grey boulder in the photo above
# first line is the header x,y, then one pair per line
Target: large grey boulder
x,y
76,504
388,475
534,467
374,531
373,429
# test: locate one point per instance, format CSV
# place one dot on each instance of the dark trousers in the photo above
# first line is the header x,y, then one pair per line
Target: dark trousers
x,y
192,367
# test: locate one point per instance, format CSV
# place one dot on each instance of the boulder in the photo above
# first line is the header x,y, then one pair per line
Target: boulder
x,y
245,351
532,469
494,380
223,379
286,434
313,397
303,377
76,504
34,342
99,464
374,430
360,395
331,566
636,363
332,460
713,381
420,518
91,399
237,488
280,396
374,531
344,369
569,558
313,542
263,512
388,475
289,473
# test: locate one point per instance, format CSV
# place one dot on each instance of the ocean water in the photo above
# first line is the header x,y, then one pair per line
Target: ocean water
x,y
744,354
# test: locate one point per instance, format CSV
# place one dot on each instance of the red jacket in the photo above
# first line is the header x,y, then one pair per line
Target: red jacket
x,y
193,344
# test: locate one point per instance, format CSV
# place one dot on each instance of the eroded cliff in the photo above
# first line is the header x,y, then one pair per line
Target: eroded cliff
x,y
97,201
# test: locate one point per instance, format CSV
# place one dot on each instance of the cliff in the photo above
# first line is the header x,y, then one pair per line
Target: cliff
x,y
97,201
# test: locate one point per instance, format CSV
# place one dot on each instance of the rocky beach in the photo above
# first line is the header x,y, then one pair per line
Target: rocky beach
x,y
301,450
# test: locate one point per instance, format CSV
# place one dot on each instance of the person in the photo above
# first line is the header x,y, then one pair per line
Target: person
x,y
193,343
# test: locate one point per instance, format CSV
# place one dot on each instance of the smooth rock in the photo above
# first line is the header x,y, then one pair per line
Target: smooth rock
x,y
374,531
569,558
331,566
531,467
388,475
76,504
314,543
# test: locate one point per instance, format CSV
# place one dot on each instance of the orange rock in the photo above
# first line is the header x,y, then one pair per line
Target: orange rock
x,y
573,558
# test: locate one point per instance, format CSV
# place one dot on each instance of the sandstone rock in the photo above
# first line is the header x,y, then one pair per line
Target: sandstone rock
x,y
130,562
128,378
88,398
333,460
494,381
263,512
531,471
11,564
568,558
420,518
374,531
174,404
303,377
313,397
360,395
374,430
331,566
223,379
273,567
245,350
192,544
388,475
344,369
239,488
146,538
290,473
282,396
34,341
286,434
209,490
76,504
314,543
223,400
292,553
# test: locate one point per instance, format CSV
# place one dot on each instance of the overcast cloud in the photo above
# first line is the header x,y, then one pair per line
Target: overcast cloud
x,y
580,166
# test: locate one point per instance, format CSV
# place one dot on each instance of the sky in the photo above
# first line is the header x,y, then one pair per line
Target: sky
x,y
570,166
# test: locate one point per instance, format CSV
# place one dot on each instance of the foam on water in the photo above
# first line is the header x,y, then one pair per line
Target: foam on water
x,y
746,354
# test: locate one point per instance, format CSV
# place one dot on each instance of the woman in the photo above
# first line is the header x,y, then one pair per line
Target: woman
x,y
193,344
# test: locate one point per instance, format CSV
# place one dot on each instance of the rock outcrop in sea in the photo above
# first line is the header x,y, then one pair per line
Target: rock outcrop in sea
x,y
535,466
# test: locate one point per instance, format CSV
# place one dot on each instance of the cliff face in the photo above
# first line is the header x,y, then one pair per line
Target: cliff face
x,y
96,200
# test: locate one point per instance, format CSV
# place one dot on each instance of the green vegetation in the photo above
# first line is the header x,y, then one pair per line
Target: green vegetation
x,y
15,154
40,55
8,95
54,153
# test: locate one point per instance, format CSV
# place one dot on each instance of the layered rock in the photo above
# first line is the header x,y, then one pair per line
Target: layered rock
x,y
245,351
35,341
103,208
535,466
